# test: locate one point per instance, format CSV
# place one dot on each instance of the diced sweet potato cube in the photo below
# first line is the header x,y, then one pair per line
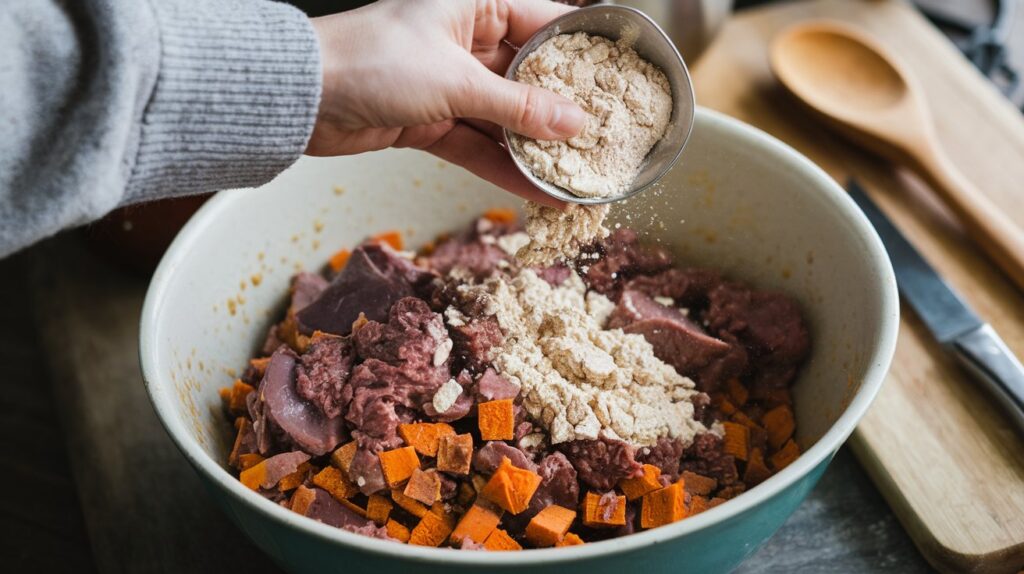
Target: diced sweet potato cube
x,y
424,486
260,365
732,491
636,487
392,238
378,509
511,487
780,425
225,395
549,526
339,260
698,483
398,531
663,506
698,504
336,483
247,461
432,530
496,420
716,501
603,510
236,400
501,215
398,464
411,506
786,455
476,524
293,480
744,419
455,453
756,471
301,499
737,392
424,437
466,494
353,507
570,539
737,440
343,455
499,540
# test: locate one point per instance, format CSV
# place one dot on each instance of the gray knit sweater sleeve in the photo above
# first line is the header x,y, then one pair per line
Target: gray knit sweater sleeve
x,y
108,102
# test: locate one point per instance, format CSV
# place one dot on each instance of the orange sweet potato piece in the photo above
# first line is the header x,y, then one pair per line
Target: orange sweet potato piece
x,y
501,215
336,483
716,501
476,524
634,488
570,539
342,456
398,531
296,478
392,238
663,506
780,425
423,486
247,461
236,402
378,509
353,507
496,420
424,437
411,506
550,525
398,464
737,392
499,540
698,483
301,499
737,440
455,453
601,511
244,428
432,530
744,419
260,365
511,487
698,504
756,471
339,260
466,494
786,455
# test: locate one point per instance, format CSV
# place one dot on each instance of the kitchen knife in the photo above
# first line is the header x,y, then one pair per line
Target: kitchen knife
x,y
974,342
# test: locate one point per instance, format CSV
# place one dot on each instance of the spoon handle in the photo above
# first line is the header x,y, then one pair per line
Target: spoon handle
x,y
987,224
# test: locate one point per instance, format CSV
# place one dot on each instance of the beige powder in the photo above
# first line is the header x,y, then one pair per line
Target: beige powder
x,y
559,234
628,102
578,380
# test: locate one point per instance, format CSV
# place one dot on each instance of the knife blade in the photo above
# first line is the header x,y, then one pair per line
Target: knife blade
x,y
947,316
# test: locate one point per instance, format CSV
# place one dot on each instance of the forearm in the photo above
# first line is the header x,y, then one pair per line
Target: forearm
x,y
109,102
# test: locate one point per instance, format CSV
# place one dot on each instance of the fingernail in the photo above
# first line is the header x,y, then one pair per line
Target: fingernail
x,y
568,119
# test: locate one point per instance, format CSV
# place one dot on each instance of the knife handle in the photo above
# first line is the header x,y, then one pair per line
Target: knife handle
x,y
992,363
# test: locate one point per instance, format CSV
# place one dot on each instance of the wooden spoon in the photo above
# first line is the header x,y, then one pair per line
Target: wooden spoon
x,y
864,92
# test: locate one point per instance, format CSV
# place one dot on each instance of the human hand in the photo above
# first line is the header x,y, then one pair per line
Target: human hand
x,y
428,74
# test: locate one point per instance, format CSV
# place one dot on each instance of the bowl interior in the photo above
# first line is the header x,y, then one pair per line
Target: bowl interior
x,y
737,201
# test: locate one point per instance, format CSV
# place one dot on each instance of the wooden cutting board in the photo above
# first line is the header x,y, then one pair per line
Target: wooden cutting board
x,y
946,460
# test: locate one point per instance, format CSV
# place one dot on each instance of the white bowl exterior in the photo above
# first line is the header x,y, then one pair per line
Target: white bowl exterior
x,y
738,200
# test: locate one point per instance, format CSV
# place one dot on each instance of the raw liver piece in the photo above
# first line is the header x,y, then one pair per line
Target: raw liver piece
x,y
622,258
325,509
279,407
366,472
473,250
493,387
601,463
475,343
688,287
678,341
322,372
488,457
373,280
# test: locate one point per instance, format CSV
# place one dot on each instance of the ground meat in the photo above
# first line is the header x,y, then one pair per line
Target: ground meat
x,y
706,456
475,344
373,280
601,463
322,372
558,486
277,408
488,457
618,258
398,375
665,454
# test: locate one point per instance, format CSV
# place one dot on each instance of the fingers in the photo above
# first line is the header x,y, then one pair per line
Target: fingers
x,y
491,130
525,17
482,156
524,109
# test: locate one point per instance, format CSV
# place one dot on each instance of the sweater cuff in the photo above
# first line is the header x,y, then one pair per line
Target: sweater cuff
x,y
235,100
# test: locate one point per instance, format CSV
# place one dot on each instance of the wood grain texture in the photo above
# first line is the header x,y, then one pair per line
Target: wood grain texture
x,y
144,507
943,455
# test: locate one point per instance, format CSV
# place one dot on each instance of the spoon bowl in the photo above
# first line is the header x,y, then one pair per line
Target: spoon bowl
x,y
652,44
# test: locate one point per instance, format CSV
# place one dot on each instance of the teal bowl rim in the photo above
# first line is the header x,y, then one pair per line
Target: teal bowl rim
x,y
830,442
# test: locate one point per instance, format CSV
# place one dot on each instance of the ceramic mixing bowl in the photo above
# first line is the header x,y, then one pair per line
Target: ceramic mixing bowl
x,y
738,200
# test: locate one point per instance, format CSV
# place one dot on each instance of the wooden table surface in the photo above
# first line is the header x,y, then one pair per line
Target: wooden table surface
x,y
844,525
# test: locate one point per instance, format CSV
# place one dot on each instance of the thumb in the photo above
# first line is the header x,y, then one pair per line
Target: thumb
x,y
527,110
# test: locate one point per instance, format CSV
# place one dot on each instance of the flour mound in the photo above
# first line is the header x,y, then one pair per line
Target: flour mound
x,y
555,234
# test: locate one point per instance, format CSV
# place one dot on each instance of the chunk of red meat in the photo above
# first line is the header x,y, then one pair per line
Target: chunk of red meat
x,y
678,341
366,472
323,371
475,344
280,466
488,457
555,275
620,257
463,404
373,280
687,287
706,456
278,409
601,463
493,387
326,509
474,250
558,486
666,454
